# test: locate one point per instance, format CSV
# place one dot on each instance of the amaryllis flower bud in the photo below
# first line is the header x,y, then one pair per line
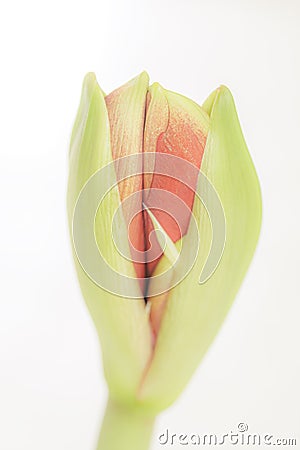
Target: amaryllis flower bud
x,y
164,209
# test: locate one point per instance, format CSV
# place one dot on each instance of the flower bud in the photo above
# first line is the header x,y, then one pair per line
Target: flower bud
x,y
164,208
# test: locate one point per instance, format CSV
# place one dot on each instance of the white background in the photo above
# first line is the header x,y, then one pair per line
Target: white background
x,y
52,390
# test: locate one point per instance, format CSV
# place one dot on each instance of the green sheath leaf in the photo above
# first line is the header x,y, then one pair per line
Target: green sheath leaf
x,y
195,312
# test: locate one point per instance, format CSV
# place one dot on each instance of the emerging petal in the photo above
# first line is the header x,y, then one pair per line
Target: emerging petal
x,y
178,127
126,112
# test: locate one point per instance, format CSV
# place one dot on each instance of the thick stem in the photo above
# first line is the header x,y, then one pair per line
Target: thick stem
x,y
125,428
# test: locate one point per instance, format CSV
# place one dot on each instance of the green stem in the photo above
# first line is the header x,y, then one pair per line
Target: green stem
x,y
125,428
